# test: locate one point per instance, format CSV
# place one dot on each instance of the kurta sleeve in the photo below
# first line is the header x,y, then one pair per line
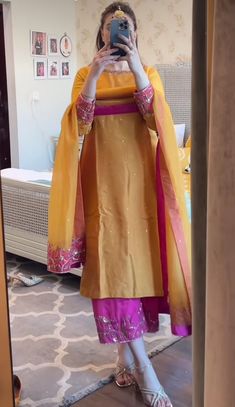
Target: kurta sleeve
x,y
144,101
144,98
85,113
85,107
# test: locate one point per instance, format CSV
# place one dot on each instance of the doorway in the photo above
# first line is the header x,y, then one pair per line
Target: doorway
x,y
5,155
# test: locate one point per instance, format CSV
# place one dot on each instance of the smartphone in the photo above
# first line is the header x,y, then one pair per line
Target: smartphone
x,y
119,26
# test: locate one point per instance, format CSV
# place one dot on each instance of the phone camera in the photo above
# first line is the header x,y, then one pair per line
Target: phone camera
x,y
123,25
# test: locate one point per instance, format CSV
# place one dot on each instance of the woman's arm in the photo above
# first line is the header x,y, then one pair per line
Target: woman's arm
x,y
144,98
141,78
84,91
103,58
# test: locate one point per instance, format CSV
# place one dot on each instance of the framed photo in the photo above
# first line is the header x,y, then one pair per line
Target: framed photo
x,y
38,43
40,68
65,69
53,45
53,69
65,45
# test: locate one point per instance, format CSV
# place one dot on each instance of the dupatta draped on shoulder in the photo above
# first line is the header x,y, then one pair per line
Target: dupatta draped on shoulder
x,y
66,234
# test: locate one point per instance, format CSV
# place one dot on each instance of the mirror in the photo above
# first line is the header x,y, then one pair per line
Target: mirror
x,y
56,351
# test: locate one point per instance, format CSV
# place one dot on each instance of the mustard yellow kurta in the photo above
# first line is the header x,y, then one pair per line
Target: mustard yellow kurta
x,y
120,205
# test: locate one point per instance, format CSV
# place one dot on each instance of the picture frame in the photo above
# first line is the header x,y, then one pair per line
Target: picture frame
x,y
65,45
40,68
53,68
65,69
38,43
52,45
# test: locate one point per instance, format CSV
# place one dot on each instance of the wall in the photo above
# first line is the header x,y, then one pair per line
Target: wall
x,y
164,37
38,120
164,29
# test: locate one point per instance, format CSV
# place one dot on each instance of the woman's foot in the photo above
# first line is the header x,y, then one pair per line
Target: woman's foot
x,y
123,376
152,392
123,373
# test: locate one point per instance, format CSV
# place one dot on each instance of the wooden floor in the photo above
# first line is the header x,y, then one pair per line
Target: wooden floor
x,y
174,368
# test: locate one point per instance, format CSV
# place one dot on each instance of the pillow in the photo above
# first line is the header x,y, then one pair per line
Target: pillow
x,y
179,131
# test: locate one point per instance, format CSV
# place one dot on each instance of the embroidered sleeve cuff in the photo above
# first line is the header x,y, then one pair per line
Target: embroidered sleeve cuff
x,y
144,100
85,109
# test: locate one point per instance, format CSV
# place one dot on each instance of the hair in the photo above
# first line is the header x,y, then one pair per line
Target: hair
x,y
110,10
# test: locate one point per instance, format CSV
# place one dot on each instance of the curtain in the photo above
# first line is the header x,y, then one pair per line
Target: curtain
x,y
213,202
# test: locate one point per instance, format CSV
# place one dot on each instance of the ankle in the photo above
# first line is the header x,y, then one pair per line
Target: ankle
x,y
125,357
127,366
141,367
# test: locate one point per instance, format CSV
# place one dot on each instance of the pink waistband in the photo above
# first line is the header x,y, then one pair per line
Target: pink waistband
x,y
115,109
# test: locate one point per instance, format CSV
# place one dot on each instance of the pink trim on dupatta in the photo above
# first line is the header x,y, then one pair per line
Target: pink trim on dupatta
x,y
181,330
176,221
62,260
163,301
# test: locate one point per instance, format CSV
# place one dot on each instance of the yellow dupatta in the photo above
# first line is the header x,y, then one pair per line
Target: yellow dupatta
x,y
66,221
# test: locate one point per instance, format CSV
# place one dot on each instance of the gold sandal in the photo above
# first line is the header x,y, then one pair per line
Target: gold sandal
x,y
151,397
126,374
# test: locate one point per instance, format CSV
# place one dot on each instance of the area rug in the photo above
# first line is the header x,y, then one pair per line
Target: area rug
x,y
56,352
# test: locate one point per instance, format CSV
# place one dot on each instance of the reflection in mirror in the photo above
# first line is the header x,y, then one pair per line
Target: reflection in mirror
x,y
57,344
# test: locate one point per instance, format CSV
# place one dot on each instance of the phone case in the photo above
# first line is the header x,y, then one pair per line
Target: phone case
x,y
119,26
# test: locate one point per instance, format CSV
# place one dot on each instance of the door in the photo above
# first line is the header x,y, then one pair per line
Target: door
x,y
5,157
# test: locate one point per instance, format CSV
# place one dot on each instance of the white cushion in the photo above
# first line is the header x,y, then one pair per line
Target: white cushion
x,y
180,131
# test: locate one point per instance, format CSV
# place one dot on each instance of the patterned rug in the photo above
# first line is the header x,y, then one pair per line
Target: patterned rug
x,y
56,352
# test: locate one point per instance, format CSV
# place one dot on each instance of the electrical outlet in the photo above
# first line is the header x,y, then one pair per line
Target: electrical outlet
x,y
35,96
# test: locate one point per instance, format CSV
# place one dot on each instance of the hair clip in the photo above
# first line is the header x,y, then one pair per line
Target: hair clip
x,y
119,13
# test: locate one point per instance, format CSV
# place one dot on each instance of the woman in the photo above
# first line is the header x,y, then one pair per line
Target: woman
x,y
125,199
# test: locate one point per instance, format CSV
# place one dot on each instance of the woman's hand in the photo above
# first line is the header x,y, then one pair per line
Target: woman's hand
x,y
100,61
133,59
132,54
103,58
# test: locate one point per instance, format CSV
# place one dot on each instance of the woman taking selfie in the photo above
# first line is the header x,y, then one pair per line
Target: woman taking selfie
x,y
120,209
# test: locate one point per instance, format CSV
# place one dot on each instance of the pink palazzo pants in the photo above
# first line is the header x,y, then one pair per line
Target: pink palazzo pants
x,y
125,319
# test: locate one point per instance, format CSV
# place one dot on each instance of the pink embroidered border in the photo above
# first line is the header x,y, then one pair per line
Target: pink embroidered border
x,y
62,260
85,109
144,100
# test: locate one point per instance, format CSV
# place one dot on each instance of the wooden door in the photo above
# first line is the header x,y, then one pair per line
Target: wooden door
x,y
5,157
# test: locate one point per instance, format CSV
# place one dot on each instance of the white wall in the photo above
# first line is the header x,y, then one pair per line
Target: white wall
x,y
38,121
164,29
